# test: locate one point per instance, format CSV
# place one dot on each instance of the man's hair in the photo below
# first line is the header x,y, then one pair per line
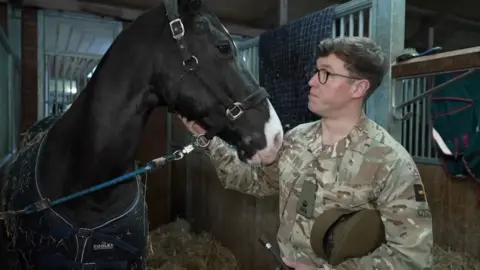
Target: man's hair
x,y
363,58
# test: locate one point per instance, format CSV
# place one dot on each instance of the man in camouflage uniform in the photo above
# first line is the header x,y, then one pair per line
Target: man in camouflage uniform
x,y
344,160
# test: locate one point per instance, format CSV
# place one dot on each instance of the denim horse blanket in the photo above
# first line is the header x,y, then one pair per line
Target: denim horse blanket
x,y
287,62
47,240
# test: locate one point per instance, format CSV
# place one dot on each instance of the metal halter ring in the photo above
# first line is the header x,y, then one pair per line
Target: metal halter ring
x,y
188,63
235,112
201,141
177,155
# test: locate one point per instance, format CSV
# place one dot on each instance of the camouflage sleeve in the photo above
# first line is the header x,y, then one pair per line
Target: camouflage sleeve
x,y
407,220
258,181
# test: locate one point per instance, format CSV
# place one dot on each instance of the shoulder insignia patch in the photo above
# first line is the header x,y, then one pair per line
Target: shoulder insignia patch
x,y
419,193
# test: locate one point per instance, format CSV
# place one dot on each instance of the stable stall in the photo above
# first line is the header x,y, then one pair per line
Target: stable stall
x,y
55,59
282,65
401,105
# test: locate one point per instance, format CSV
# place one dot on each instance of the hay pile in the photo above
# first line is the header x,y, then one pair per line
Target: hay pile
x,y
450,260
175,247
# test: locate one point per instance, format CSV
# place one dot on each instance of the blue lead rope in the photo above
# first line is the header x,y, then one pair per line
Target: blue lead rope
x,y
112,182
46,203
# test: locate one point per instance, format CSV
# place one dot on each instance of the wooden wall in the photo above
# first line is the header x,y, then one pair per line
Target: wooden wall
x,y
237,220
153,145
455,210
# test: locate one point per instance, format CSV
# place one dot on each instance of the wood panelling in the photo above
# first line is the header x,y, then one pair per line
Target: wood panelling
x,y
238,220
455,210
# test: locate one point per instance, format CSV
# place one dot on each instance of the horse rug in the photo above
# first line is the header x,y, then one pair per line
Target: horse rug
x,y
48,240
455,118
287,62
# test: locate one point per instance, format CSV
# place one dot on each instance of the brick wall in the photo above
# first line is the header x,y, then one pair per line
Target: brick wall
x,y
29,86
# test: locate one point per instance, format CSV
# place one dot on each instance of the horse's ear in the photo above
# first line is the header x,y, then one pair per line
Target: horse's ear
x,y
188,6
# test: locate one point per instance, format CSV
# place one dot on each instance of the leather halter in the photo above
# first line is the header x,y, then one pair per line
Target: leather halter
x,y
235,109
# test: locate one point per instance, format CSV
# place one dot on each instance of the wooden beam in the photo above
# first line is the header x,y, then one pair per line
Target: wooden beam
x,y
119,13
15,3
446,17
443,62
115,12
236,29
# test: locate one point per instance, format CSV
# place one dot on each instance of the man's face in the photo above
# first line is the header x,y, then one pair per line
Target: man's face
x,y
339,89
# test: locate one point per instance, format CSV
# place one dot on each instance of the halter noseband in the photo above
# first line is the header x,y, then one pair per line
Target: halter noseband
x,y
235,109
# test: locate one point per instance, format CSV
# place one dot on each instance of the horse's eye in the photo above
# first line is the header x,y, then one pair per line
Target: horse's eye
x,y
224,48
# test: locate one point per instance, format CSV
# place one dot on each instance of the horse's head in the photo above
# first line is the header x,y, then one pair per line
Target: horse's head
x,y
206,83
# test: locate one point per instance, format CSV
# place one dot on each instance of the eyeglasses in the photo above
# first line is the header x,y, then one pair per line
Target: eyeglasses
x,y
323,75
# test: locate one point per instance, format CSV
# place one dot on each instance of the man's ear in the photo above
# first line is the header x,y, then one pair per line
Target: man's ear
x,y
360,88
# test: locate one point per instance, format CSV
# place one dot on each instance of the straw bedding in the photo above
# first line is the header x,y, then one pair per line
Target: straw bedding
x,y
450,260
175,247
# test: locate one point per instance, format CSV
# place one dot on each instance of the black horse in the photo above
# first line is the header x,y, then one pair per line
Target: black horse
x,y
177,55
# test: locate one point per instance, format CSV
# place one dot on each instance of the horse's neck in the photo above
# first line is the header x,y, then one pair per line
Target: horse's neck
x,y
95,140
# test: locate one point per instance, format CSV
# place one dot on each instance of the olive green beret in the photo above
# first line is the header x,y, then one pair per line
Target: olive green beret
x,y
339,234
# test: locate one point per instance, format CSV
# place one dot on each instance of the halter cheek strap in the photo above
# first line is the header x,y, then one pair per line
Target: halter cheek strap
x,y
235,109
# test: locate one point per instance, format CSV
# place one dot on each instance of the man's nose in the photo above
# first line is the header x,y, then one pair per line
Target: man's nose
x,y
313,81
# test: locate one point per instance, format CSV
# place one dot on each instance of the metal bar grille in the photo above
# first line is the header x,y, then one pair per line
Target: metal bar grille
x,y
248,53
416,130
416,136
73,45
354,21
351,19
66,76
9,97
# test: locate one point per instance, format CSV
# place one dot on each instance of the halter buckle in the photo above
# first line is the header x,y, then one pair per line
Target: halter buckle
x,y
202,141
176,26
191,62
235,112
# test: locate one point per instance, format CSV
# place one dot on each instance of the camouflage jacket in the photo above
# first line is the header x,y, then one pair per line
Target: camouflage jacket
x,y
367,169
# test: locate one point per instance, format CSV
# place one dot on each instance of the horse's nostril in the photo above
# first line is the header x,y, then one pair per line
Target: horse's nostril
x,y
248,140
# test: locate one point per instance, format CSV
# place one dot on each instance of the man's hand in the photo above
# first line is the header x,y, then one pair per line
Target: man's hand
x,y
296,265
195,129
300,266
192,127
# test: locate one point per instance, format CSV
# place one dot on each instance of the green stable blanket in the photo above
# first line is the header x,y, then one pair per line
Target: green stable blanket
x,y
455,114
